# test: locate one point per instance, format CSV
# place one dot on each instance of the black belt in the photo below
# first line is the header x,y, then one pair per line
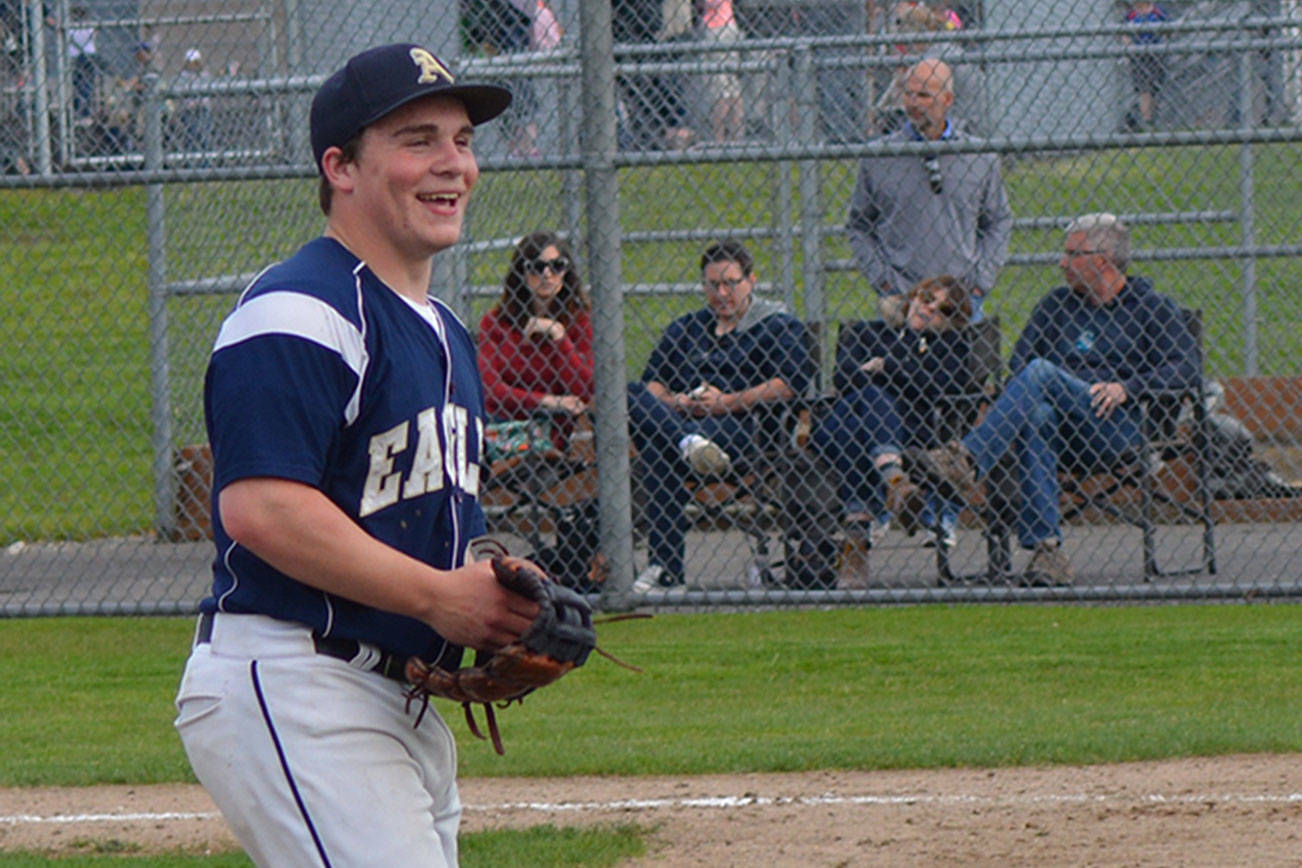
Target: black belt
x,y
389,665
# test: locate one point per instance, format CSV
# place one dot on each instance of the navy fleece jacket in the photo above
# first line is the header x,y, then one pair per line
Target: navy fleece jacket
x,y
1138,339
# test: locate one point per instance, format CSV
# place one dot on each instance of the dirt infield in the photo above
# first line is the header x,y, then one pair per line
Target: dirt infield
x,y
1241,810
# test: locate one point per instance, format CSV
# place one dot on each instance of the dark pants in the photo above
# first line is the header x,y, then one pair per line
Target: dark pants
x,y
861,426
83,85
1044,417
656,431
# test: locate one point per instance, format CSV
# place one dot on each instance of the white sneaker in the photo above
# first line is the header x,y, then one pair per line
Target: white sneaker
x,y
649,579
704,456
877,530
949,540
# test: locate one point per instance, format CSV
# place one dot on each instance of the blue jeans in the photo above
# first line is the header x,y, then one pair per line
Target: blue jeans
x,y
656,430
861,426
1044,415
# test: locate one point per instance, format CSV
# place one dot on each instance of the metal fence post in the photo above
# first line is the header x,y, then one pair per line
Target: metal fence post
x,y
159,376
805,88
783,193
601,199
41,91
1247,221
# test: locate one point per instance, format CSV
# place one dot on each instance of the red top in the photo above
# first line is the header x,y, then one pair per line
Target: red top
x,y
518,371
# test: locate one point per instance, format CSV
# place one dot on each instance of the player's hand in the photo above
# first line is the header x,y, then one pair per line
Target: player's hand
x,y
473,609
1106,398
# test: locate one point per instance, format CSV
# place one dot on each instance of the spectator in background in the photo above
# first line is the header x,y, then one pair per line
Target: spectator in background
x,y
545,34
888,385
722,90
535,344
913,16
11,30
652,105
1089,350
85,64
952,19
696,406
1147,69
135,86
912,218
13,155
194,115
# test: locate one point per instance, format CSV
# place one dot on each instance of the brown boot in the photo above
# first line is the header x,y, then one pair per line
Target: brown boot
x,y
949,469
1048,567
906,501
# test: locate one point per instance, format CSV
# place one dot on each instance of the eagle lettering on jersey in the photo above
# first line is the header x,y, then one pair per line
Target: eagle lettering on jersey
x,y
441,458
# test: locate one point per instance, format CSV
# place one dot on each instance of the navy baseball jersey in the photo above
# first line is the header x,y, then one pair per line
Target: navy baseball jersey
x,y
323,375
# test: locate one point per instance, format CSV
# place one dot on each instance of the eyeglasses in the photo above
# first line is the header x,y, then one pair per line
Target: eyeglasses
x,y
1071,253
932,164
730,283
559,265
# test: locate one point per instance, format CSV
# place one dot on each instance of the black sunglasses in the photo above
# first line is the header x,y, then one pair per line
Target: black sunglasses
x,y
559,265
944,305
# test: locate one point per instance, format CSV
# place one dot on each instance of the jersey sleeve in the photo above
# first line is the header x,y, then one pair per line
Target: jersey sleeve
x,y
282,381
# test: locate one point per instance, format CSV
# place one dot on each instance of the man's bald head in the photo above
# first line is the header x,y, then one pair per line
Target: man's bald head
x,y
935,73
928,94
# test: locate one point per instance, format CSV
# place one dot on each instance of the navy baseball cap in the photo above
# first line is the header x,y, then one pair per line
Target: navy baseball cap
x,y
381,79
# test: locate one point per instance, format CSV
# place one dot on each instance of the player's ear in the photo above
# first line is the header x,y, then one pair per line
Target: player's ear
x,y
337,169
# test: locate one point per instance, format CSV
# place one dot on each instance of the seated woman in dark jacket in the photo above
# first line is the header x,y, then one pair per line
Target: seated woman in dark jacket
x,y
888,384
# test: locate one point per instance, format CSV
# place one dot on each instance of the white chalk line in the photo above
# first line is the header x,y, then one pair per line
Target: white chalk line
x,y
724,802
905,799
134,817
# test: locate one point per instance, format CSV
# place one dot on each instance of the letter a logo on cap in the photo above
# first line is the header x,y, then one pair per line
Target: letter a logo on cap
x,y
430,68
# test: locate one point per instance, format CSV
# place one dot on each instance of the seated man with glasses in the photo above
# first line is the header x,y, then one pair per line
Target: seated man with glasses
x,y
695,406
1088,349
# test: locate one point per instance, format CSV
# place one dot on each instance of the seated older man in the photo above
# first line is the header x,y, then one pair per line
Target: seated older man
x,y
695,406
1089,349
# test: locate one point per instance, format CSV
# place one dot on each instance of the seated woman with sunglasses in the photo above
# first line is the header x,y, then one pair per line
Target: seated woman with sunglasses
x,y
888,385
535,344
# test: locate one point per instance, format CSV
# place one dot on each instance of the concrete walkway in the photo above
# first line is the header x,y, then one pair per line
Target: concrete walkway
x,y
1255,561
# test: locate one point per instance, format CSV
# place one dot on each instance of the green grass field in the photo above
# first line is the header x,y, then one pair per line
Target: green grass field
x,y
76,366
537,847
90,700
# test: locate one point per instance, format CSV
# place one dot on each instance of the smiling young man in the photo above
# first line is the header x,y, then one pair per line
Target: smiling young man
x,y
694,407
344,409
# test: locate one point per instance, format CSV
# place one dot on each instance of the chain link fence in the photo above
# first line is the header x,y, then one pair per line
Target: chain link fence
x,y
689,263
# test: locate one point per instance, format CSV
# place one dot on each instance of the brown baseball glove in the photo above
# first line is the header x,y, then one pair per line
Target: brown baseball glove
x,y
560,638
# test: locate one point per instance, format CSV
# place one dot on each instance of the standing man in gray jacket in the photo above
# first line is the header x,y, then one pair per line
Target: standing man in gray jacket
x,y
913,218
